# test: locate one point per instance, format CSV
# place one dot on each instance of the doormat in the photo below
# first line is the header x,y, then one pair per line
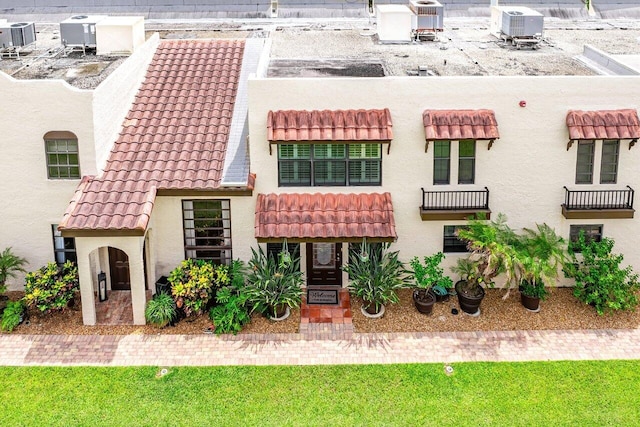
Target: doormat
x,y
322,296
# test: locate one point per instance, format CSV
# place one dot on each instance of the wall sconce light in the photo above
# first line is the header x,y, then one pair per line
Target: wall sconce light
x,y
102,287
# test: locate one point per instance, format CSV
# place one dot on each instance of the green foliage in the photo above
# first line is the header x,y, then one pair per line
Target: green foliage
x,y
541,254
194,282
600,281
161,310
51,287
272,282
10,264
534,290
12,315
232,312
428,274
376,274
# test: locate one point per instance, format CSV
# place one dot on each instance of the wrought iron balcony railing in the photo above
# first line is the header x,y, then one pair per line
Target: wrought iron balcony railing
x,y
454,204
598,203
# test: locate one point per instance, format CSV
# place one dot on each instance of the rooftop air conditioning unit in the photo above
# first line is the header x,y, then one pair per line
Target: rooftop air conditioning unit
x,y
522,22
80,30
428,15
17,35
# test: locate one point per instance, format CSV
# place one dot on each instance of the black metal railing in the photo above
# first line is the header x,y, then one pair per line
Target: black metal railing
x,y
455,200
598,199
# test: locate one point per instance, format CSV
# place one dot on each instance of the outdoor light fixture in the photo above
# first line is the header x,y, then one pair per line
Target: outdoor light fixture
x,y
102,287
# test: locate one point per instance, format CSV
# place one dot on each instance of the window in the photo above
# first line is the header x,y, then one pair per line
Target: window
x,y
61,149
591,233
207,230
467,162
64,248
584,165
274,249
441,162
451,242
329,164
609,162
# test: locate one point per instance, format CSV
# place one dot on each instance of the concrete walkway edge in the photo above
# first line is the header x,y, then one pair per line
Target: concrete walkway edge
x,y
298,349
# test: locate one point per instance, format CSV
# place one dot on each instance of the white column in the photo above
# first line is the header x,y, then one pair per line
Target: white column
x,y
86,282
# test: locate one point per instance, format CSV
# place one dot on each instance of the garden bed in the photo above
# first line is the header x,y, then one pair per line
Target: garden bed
x,y
560,311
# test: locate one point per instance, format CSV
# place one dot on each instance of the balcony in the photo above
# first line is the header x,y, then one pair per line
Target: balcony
x,y
454,205
596,204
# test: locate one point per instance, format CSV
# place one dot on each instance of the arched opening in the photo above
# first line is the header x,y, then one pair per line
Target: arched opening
x,y
119,270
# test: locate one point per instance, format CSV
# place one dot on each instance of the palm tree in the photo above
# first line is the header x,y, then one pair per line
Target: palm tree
x,y
10,264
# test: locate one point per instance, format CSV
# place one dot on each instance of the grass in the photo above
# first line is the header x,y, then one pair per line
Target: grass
x,y
541,393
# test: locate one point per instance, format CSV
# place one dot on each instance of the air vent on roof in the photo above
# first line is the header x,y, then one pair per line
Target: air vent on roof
x,y
17,34
514,13
79,17
427,15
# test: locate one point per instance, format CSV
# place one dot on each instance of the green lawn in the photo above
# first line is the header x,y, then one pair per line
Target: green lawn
x,y
504,394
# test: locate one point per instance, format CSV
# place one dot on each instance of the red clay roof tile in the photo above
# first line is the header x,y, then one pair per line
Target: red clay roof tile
x,y
161,142
329,125
603,124
459,124
324,216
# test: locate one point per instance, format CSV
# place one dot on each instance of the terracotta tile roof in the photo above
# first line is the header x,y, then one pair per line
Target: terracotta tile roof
x,y
459,124
603,124
329,125
324,216
173,138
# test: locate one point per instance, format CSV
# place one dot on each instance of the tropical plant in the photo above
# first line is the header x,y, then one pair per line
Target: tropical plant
x,y
51,287
10,264
429,275
12,315
194,283
272,283
161,310
534,289
600,281
232,311
376,274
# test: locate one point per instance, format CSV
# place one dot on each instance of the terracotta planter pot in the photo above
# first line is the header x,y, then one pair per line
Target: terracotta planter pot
x,y
470,304
530,303
424,301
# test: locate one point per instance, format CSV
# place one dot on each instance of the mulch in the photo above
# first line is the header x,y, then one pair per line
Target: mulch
x,y
561,310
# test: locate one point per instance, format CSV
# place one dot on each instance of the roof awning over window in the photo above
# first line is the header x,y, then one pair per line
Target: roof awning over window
x,y
329,126
325,217
603,124
448,125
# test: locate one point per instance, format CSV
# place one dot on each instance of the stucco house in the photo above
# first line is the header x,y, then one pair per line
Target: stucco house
x,y
190,150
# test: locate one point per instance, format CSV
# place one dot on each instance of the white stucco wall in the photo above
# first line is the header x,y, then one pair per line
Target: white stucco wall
x,y
112,99
31,202
525,170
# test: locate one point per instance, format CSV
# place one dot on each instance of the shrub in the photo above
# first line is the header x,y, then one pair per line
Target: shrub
x,y
194,282
272,283
600,281
51,287
161,310
231,313
10,264
12,315
428,274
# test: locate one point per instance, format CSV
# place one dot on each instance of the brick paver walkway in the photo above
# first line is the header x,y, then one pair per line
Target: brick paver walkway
x,y
327,345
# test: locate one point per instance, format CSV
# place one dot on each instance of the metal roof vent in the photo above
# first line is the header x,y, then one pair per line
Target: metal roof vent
x,y
428,16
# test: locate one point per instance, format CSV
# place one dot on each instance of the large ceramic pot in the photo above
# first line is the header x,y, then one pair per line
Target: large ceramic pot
x,y
469,302
530,303
424,301
369,310
279,312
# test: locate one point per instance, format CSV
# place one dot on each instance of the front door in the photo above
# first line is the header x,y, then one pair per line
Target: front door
x,y
323,264
119,268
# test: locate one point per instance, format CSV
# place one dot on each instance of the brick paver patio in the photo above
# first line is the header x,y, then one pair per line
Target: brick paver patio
x,y
318,344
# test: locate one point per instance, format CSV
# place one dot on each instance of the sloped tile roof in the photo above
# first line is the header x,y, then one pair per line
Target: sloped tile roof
x,y
459,124
329,125
325,216
173,138
603,124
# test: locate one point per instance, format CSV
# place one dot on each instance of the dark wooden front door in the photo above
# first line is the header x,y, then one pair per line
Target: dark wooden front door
x,y
323,264
119,268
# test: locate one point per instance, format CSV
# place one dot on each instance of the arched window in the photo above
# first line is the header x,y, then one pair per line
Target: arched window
x,y
61,148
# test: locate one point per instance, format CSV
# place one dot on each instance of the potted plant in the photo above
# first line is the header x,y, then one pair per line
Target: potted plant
x,y
492,253
600,281
274,286
375,274
541,254
161,310
430,282
10,264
